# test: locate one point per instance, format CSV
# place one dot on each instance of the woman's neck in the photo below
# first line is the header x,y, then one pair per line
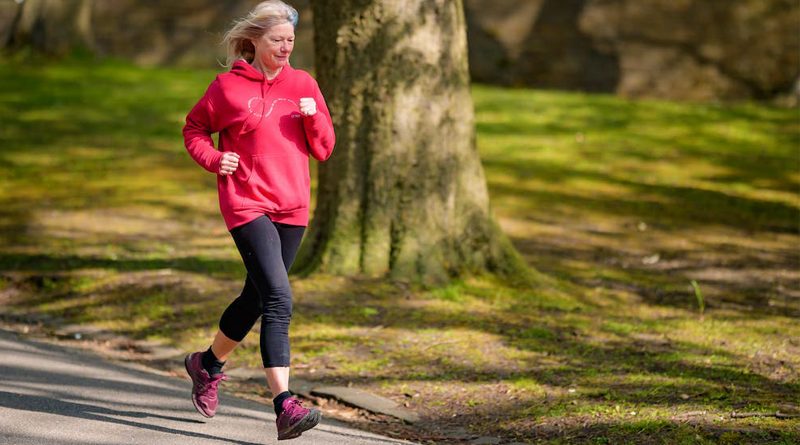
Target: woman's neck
x,y
269,74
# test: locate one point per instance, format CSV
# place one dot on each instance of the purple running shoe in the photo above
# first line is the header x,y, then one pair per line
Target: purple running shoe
x,y
204,386
295,419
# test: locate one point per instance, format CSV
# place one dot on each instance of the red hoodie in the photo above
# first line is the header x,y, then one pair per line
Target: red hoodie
x,y
260,120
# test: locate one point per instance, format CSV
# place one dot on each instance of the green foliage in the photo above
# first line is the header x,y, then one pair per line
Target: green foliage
x,y
451,292
701,303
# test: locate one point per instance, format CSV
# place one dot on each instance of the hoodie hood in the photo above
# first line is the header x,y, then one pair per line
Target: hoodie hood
x,y
243,69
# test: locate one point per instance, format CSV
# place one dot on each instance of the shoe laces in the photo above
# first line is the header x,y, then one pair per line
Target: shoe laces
x,y
213,382
294,407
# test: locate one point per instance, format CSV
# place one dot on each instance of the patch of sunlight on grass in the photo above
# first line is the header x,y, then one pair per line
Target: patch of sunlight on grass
x,y
452,292
538,333
619,328
528,384
743,337
63,303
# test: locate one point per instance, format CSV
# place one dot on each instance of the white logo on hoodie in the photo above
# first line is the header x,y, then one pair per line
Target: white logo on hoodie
x,y
256,106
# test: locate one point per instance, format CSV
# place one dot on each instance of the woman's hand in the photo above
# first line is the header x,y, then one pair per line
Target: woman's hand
x,y
228,163
308,106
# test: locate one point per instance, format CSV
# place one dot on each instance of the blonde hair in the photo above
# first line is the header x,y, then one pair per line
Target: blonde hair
x,y
238,39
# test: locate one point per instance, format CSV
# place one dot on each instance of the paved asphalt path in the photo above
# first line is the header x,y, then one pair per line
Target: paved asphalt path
x,y
55,395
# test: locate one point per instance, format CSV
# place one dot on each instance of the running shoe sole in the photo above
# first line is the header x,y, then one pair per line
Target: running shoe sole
x,y
308,422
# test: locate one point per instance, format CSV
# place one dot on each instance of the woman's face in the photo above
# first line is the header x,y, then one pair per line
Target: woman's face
x,y
275,46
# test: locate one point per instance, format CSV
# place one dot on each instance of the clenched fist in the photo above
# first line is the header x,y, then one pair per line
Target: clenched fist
x,y
228,163
308,106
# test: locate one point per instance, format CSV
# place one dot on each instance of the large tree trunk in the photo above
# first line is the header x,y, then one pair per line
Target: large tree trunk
x,y
404,194
52,26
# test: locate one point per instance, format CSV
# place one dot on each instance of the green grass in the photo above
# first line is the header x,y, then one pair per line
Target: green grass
x,y
622,205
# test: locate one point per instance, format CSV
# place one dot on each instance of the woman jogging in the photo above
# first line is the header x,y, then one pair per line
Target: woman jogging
x,y
270,118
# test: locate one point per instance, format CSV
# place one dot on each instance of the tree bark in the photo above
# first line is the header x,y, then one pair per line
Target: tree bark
x,y
404,194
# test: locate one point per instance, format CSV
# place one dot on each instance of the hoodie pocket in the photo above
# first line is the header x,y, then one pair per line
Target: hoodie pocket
x,y
279,183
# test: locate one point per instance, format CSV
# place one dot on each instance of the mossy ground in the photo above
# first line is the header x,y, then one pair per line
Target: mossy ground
x,y
620,205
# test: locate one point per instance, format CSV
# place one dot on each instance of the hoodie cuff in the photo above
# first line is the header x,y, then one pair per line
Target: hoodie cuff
x,y
312,122
213,165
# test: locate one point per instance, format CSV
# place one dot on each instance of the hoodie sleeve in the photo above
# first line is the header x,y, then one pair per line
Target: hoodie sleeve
x,y
319,129
201,122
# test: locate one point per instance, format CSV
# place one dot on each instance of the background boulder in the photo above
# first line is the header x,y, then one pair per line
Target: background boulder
x,y
677,49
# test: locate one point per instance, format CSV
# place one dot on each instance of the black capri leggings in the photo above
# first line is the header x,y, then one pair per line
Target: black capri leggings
x,y
268,250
